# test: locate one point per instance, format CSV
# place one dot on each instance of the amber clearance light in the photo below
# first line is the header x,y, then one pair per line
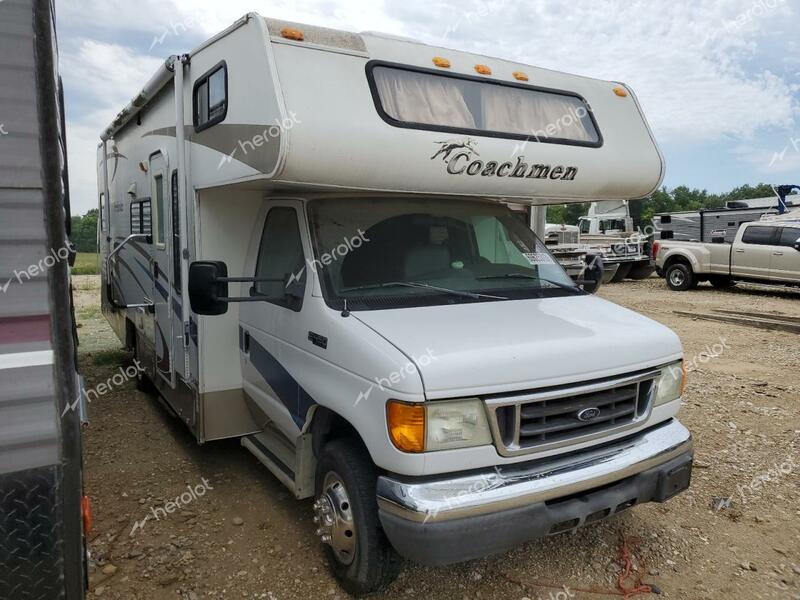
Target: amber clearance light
x,y
406,424
520,76
441,62
483,69
290,33
620,91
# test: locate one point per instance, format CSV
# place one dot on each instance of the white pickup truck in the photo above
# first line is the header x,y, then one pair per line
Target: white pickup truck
x,y
763,252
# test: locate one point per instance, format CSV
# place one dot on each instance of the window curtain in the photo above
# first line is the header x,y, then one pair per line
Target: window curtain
x,y
529,112
420,98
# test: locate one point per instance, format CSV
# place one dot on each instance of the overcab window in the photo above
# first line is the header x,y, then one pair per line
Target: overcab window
x,y
426,100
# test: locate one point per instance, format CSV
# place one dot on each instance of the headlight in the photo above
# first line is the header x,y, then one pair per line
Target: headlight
x,y
669,386
438,425
456,424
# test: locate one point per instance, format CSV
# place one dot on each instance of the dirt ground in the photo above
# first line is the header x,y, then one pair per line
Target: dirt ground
x,y
240,534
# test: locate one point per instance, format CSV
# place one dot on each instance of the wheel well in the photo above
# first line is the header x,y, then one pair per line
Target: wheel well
x,y
328,425
677,259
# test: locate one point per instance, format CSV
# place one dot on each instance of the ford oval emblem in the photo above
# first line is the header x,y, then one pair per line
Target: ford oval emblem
x,y
587,414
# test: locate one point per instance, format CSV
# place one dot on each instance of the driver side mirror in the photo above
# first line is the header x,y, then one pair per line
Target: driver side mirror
x,y
208,287
590,286
797,245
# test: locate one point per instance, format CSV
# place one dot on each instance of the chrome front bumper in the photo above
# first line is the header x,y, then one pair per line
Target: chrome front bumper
x,y
434,500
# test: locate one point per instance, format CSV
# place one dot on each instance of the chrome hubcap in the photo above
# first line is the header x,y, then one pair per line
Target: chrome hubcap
x,y
333,515
676,277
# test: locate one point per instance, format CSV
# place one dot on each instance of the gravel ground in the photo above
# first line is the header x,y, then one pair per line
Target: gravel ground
x,y
240,534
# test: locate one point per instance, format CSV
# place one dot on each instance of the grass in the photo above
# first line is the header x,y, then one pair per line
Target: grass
x,y
86,263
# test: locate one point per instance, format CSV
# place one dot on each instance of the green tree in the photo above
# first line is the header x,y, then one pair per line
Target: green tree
x,y
84,232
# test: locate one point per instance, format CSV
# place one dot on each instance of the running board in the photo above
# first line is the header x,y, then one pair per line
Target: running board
x,y
275,451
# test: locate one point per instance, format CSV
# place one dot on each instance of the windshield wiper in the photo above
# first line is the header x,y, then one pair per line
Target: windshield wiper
x,y
563,286
416,284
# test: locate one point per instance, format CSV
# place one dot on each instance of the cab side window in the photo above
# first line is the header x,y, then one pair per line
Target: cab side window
x,y
763,236
281,261
789,236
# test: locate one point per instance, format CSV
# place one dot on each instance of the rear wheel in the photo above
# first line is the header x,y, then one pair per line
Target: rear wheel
x,y
356,547
143,382
680,277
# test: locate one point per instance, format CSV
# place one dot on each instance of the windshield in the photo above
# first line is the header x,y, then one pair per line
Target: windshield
x,y
586,225
375,253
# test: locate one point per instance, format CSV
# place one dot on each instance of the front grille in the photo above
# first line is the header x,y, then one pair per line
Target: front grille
x,y
570,414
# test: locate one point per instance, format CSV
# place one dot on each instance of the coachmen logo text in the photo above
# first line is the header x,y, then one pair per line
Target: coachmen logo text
x,y
460,158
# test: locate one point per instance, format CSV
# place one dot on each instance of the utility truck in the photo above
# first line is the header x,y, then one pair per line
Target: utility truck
x,y
765,251
307,242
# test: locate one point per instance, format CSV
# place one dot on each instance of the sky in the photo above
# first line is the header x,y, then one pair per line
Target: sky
x,y
719,80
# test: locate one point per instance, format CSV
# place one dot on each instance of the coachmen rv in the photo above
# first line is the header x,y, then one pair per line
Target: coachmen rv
x,y
44,516
306,239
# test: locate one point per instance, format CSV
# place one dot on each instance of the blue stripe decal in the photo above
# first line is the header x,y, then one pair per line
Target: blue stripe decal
x,y
289,391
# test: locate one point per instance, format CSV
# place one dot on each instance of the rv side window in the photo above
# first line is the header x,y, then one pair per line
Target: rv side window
x,y
211,97
419,98
141,217
161,213
280,257
764,236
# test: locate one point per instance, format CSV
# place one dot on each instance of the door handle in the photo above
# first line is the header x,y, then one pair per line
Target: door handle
x,y
247,341
740,250
777,254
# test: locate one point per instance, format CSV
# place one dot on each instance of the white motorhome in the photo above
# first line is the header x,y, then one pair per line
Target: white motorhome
x,y
306,240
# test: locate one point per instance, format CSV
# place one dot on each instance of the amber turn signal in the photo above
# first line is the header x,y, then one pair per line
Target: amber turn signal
x,y
406,424
292,34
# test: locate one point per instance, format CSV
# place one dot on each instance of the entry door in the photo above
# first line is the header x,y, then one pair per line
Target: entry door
x,y
785,263
752,257
162,266
269,355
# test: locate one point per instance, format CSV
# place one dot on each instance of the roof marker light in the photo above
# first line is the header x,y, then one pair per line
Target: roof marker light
x,y
520,76
441,62
291,33
620,91
483,69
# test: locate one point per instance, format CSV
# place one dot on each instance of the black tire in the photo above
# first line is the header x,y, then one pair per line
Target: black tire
x,y
143,382
722,283
375,564
622,272
680,277
641,271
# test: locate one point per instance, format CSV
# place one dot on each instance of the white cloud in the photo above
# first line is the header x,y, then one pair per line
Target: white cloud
x,y
696,67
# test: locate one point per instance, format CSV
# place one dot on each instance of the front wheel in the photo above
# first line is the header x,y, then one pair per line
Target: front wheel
x,y
680,277
346,513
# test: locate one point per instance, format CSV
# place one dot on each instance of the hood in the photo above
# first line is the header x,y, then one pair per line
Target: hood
x,y
494,347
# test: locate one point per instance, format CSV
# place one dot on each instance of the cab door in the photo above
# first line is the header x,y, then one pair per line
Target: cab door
x,y
269,358
785,261
751,257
